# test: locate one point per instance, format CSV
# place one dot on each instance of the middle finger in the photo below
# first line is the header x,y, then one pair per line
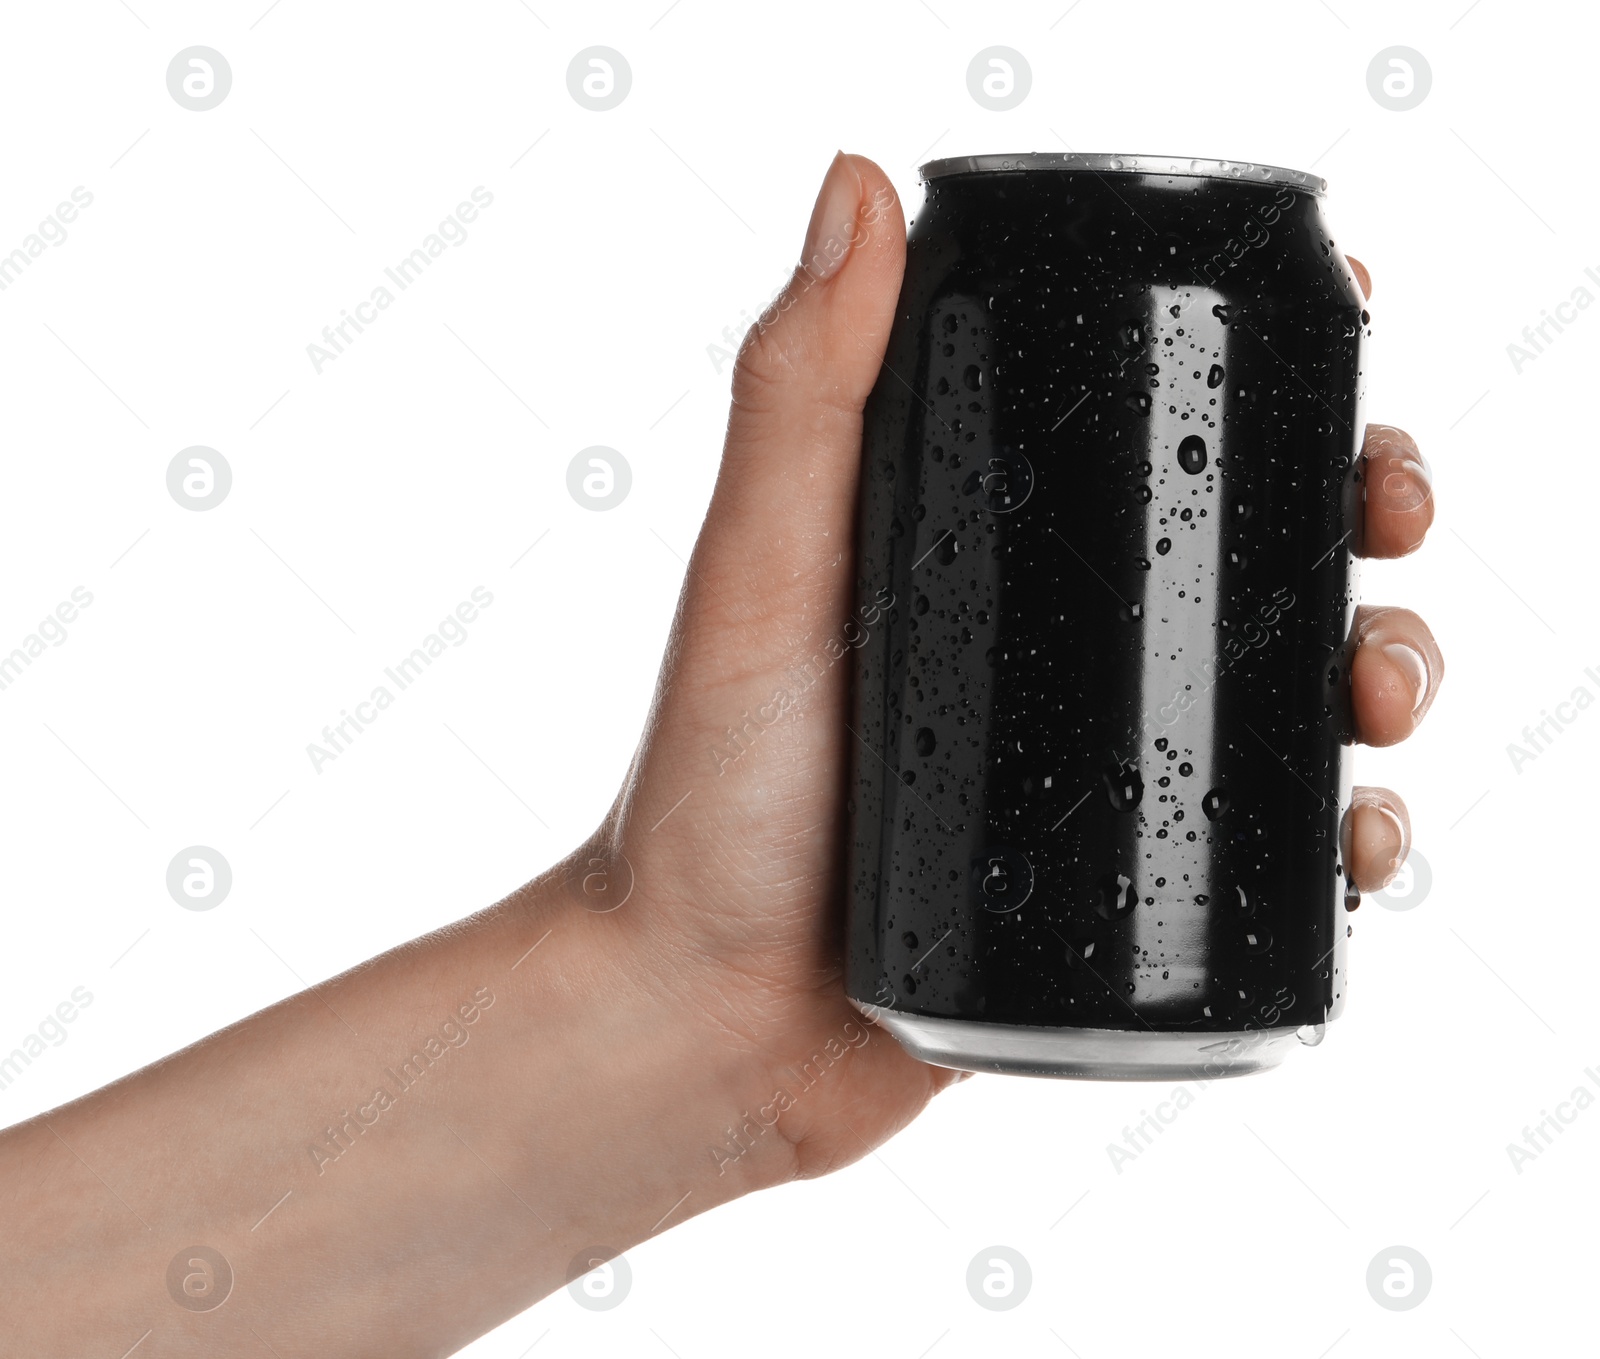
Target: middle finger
x,y
1395,674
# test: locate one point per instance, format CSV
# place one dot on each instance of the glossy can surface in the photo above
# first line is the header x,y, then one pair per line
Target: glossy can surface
x,y
1105,568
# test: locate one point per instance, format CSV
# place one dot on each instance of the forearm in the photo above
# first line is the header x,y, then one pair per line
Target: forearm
x,y
390,1163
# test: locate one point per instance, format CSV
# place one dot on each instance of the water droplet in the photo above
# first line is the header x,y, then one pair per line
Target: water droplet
x,y
1137,401
1186,769
1215,803
1124,786
1117,899
947,549
1222,312
1311,1034
1215,376
1164,546
926,741
1192,454
909,939
973,377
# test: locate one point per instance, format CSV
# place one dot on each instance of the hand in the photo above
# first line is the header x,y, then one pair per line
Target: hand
x,y
463,1121
736,845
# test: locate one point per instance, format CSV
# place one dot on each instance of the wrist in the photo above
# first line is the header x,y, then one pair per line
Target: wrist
x,y
656,1053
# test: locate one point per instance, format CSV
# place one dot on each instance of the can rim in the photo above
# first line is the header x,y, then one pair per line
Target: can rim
x,y
1236,171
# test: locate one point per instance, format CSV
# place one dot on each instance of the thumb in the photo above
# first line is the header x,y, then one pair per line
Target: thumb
x,y
777,538
769,587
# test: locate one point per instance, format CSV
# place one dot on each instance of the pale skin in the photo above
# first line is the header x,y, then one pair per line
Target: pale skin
x,y
581,1109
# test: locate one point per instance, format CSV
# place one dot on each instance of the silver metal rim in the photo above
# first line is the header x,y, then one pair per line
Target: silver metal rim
x,y
1085,1054
1238,171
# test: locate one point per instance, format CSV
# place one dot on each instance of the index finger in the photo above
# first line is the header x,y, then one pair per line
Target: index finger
x,y
1362,276
1397,504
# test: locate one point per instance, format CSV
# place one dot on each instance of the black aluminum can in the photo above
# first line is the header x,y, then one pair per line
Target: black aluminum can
x,y
1107,540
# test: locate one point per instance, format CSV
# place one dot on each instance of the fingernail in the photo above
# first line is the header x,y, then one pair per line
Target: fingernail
x,y
1406,485
1414,666
1389,839
1397,468
833,221
1398,831
1389,436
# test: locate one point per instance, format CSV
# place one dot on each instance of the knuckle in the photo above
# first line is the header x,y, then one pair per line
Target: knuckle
x,y
764,364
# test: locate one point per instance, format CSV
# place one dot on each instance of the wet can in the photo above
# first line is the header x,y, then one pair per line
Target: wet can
x,y
1106,569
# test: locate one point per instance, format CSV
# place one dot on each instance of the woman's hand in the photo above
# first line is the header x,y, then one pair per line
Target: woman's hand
x,y
733,826
400,1158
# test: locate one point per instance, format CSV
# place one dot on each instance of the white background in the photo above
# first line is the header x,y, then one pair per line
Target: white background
x,y
369,499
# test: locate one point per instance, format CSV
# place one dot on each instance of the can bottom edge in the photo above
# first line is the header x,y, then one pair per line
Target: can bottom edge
x,y
1084,1054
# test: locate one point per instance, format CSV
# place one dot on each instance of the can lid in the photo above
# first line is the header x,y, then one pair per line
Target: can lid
x,y
1159,166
